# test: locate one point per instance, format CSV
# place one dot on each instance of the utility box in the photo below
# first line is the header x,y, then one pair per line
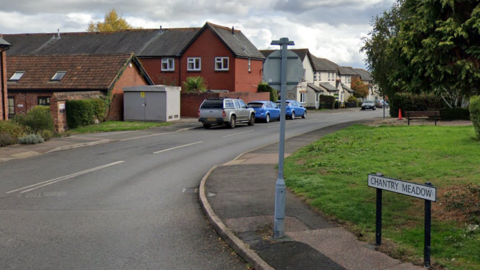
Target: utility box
x,y
151,103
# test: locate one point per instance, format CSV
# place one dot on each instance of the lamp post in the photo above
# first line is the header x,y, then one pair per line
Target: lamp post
x,y
4,45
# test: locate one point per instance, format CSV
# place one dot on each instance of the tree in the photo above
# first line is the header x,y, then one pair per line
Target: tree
x,y
430,46
195,85
360,88
112,22
380,60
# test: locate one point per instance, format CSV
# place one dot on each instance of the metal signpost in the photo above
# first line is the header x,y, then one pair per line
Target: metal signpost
x,y
282,68
426,192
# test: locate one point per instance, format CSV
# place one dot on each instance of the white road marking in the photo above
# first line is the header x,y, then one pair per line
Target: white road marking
x,y
153,135
238,133
176,147
62,178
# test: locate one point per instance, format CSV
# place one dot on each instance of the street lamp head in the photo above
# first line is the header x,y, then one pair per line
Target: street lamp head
x,y
4,45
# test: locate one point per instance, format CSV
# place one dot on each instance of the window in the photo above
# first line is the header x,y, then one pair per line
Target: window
x,y
302,97
194,63
44,101
168,64
221,63
58,76
11,107
329,76
17,75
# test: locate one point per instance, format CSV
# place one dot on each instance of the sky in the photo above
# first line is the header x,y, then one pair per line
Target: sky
x,y
331,29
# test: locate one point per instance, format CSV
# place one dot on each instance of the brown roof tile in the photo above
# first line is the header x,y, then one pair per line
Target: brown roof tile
x,y
84,72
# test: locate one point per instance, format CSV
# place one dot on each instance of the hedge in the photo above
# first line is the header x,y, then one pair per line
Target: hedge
x,y
414,102
329,101
450,114
265,87
84,112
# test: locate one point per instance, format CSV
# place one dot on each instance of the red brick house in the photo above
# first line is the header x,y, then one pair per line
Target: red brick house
x,y
4,46
34,80
225,58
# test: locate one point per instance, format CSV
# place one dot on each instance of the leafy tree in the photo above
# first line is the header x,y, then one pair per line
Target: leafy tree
x,y
195,85
360,88
434,47
112,22
380,60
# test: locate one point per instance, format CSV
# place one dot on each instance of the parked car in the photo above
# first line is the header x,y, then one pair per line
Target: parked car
x,y
384,103
381,103
293,109
265,110
225,111
368,104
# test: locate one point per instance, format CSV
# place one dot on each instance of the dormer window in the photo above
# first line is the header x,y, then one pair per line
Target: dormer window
x,y
58,76
17,75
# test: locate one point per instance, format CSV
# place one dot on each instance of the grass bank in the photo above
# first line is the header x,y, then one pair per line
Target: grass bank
x,y
110,126
332,175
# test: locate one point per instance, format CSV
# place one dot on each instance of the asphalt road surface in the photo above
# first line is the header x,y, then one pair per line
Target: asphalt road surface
x,y
128,205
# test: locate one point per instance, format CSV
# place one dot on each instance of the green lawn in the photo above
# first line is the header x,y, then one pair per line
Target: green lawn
x,y
115,126
332,175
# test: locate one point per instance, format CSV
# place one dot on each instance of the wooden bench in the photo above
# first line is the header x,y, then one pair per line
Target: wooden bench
x,y
422,114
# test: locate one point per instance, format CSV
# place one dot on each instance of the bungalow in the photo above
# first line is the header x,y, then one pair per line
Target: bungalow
x,y
44,80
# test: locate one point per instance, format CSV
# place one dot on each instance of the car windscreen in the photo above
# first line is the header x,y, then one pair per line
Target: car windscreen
x,y
255,105
212,104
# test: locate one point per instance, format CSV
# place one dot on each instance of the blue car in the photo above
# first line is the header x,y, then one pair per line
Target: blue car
x,y
293,109
265,110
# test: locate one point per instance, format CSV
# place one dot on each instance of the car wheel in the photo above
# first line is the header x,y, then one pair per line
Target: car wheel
x,y
304,114
232,122
207,126
267,118
293,116
251,121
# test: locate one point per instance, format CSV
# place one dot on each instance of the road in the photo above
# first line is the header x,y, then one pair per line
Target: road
x,y
130,204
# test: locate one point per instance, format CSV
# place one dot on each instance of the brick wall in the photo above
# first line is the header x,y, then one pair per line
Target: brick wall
x,y
130,77
191,102
26,101
59,116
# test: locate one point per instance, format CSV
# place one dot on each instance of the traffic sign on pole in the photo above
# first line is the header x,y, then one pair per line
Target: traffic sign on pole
x,y
278,77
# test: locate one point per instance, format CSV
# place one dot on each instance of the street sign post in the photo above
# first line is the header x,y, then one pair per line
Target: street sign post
x,y
426,192
281,70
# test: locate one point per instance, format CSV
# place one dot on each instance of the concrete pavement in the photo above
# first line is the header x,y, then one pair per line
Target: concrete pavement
x,y
238,198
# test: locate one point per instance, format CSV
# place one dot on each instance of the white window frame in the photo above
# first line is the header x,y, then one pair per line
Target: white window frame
x,y
302,97
194,64
17,76
328,76
58,76
315,76
221,63
168,64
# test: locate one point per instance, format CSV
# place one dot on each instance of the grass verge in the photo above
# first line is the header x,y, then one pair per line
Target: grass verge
x,y
116,126
332,175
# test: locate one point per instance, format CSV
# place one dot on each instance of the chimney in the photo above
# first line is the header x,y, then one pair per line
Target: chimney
x,y
58,33
233,31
